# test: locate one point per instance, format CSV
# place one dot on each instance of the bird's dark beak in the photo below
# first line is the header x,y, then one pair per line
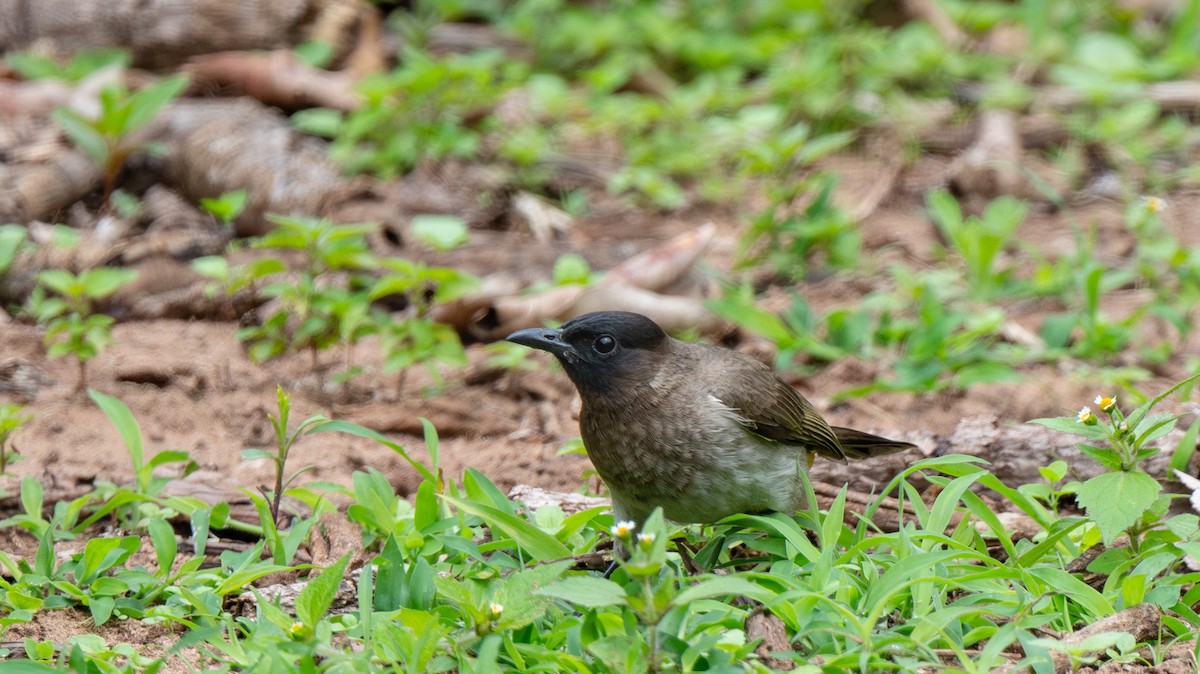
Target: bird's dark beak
x,y
546,339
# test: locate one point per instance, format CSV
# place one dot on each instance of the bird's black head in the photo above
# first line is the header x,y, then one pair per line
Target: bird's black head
x,y
601,350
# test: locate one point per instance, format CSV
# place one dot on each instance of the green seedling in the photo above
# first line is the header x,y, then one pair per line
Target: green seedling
x,y
13,239
110,138
122,419
285,438
1123,499
314,312
979,241
12,417
73,328
1088,332
414,337
428,107
33,66
226,207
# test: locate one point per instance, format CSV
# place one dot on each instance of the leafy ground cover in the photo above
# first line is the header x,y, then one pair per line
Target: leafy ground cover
x,y
326,486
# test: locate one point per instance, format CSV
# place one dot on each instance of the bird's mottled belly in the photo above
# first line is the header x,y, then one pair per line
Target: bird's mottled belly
x,y
695,474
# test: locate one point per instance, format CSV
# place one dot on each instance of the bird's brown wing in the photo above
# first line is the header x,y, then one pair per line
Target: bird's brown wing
x,y
769,407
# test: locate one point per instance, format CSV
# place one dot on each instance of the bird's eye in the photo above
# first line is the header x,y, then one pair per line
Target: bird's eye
x,y
604,344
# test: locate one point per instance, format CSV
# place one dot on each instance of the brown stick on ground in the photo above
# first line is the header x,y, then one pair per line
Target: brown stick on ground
x,y
157,33
275,78
1142,622
32,192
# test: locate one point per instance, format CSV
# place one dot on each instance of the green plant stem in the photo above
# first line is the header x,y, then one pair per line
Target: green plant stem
x,y
81,386
651,618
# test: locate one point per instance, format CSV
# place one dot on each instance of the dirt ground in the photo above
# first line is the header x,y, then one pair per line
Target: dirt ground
x,y
191,386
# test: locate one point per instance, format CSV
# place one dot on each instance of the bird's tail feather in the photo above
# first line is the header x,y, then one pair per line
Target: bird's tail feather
x,y
859,445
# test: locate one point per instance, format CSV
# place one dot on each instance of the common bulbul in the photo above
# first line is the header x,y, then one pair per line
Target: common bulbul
x,y
699,430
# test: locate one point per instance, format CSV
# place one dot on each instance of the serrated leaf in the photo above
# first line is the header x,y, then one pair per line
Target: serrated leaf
x,y
1116,500
316,597
519,596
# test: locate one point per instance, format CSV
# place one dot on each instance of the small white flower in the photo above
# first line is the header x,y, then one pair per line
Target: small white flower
x,y
495,610
645,540
1086,416
624,529
1154,204
1106,403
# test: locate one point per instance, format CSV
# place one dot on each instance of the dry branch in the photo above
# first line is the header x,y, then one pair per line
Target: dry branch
x,y
1014,453
653,283
32,192
158,33
274,78
1143,621
223,146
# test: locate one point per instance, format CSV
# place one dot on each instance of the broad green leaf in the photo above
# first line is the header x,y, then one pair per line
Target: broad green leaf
x,y
586,591
12,237
99,282
31,496
1117,499
518,594
442,232
60,281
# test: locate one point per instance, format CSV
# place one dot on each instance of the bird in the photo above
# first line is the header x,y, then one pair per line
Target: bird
x,y
698,430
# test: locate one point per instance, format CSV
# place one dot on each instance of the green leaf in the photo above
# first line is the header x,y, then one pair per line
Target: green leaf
x,y
723,586
1116,500
518,594
1182,456
82,133
27,667
12,238
31,496
316,597
571,269
241,578
145,103
120,416
542,546
165,546
101,608
60,281
442,232
364,432
586,591
99,282
318,121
